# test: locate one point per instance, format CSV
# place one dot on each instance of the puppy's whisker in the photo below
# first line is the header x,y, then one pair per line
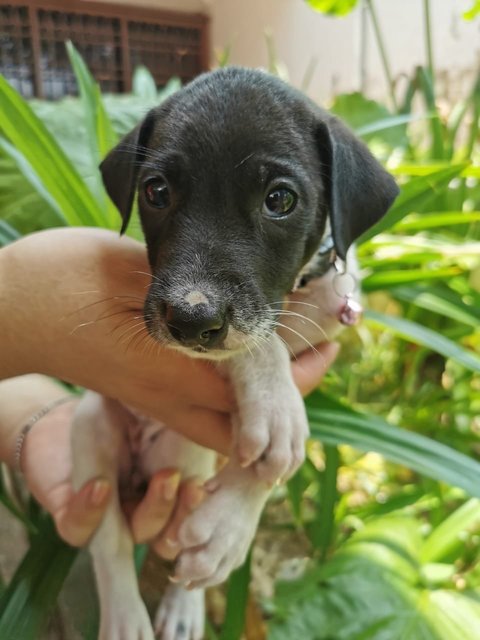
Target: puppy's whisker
x,y
294,355
297,333
131,328
104,300
286,312
289,302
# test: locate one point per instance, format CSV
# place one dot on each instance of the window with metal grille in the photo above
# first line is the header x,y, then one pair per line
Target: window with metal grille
x,y
113,40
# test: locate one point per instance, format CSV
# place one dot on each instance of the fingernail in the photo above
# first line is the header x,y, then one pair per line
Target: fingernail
x,y
171,543
99,492
170,486
196,497
174,579
212,485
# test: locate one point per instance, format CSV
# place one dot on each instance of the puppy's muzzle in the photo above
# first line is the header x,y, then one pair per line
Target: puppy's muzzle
x,y
200,326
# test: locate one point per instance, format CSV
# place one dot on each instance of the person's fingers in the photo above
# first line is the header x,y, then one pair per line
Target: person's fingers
x,y
310,366
190,496
154,511
77,520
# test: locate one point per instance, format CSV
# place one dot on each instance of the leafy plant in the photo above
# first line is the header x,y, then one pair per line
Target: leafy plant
x,y
388,556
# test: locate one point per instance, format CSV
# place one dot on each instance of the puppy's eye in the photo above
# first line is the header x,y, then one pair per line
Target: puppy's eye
x,y
157,194
280,202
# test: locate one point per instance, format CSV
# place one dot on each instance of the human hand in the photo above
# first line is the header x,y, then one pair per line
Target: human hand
x,y
84,290
47,466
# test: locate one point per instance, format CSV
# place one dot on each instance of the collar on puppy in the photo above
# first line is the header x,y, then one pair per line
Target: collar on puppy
x,y
320,263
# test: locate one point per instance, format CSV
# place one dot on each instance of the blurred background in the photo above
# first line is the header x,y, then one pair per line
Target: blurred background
x,y
378,535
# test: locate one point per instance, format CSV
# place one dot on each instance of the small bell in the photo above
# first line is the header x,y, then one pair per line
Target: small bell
x,y
350,312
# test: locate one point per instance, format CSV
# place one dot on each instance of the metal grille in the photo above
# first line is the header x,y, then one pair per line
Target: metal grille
x,y
166,50
112,40
96,38
16,48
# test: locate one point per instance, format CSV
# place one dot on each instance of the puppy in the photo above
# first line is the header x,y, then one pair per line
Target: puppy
x,y
246,190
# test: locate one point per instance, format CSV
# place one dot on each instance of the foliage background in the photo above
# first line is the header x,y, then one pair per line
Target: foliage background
x,y
386,509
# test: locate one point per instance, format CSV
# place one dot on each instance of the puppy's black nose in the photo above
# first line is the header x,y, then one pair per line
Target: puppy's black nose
x,y
199,326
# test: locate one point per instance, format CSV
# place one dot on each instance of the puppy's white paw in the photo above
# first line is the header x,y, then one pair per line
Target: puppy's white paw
x,y
181,615
216,537
271,434
125,621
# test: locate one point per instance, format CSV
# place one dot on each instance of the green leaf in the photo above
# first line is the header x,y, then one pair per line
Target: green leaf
x,y
391,278
419,222
444,302
100,134
448,536
237,598
7,233
473,12
333,7
143,84
320,531
333,424
372,589
413,197
53,169
371,119
33,591
425,337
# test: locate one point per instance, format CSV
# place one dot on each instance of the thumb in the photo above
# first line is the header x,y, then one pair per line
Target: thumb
x,y
77,521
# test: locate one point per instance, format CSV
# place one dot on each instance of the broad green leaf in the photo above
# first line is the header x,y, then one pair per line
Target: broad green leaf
x,y
371,589
320,531
335,424
333,7
370,119
54,170
419,222
425,337
388,123
423,169
33,591
413,197
448,536
473,12
361,592
444,302
426,85
143,84
392,278
100,133
32,177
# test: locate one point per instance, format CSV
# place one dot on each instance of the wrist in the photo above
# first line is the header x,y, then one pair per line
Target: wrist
x,y
20,399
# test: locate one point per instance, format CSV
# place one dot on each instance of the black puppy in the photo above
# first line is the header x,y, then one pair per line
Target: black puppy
x,y
245,191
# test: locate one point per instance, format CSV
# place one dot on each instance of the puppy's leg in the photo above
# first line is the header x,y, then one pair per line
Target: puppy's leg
x,y
216,537
181,614
270,431
271,427
98,439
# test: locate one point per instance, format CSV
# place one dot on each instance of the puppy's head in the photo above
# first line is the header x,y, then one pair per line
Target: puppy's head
x,y
236,175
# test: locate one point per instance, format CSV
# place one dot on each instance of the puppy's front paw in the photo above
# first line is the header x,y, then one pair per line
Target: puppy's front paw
x,y
181,615
271,435
216,537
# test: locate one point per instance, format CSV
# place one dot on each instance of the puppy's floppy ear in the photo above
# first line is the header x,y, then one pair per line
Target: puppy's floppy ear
x,y
120,167
359,190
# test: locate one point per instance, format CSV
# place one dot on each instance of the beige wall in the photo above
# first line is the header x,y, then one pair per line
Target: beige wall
x,y
302,35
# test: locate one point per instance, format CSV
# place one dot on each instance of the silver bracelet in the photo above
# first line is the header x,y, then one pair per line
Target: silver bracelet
x,y
28,425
